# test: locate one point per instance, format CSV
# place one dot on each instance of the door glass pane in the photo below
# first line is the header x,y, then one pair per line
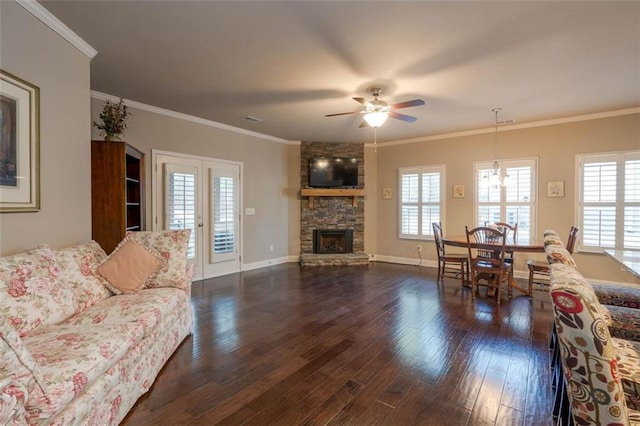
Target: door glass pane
x,y
522,216
599,184
519,184
632,181
488,214
181,206
632,227
599,226
430,214
487,193
431,188
409,220
410,188
224,213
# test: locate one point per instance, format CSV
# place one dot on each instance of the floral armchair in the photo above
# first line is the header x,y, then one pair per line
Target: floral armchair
x,y
601,372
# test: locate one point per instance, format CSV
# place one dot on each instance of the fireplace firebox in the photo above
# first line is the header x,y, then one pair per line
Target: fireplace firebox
x,y
332,241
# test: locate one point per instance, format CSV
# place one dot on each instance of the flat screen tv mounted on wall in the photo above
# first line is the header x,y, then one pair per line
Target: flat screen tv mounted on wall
x,y
333,172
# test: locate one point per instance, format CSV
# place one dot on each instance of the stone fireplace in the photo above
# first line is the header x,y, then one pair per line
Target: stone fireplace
x,y
330,214
326,241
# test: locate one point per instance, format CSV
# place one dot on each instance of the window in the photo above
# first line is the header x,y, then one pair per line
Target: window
x,y
224,213
609,201
180,203
421,192
515,202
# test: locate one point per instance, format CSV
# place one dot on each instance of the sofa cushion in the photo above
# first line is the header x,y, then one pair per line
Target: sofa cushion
x,y
552,240
129,266
623,323
628,355
31,294
78,266
172,245
559,254
20,375
617,295
72,357
147,307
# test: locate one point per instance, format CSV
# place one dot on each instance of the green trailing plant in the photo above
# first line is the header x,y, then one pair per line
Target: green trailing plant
x,y
113,119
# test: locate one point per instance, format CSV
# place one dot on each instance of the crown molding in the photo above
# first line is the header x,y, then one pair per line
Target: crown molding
x,y
190,118
510,127
47,18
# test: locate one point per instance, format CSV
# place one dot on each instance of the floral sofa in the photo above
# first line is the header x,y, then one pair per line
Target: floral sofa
x,y
601,372
74,353
619,304
596,345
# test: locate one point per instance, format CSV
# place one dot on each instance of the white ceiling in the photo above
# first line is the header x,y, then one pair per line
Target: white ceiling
x,y
290,63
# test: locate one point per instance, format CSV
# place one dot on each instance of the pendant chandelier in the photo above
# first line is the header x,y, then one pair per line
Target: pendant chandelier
x,y
497,177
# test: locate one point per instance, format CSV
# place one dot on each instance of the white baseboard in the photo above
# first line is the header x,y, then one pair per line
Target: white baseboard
x,y
269,262
403,260
522,274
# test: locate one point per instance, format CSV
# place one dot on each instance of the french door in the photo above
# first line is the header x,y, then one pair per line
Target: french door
x,y
203,195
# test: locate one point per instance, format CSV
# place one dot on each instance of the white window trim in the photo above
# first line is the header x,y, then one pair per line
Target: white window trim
x,y
440,168
618,157
510,162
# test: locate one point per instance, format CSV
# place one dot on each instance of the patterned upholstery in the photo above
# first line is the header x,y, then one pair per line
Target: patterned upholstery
x,y
598,369
73,354
617,295
623,323
557,254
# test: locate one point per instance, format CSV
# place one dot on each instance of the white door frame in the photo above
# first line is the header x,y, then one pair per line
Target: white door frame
x,y
156,195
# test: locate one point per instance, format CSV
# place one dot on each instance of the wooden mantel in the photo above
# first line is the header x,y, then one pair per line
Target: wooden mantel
x,y
331,192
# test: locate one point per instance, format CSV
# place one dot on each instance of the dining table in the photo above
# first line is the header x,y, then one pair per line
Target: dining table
x,y
532,246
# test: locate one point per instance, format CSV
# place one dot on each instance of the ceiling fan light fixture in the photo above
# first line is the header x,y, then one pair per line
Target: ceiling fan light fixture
x,y
376,118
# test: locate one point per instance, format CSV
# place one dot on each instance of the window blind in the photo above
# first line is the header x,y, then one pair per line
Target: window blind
x,y
224,212
609,207
421,191
181,206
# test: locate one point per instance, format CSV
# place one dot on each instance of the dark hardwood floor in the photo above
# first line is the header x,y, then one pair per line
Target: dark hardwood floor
x,y
380,345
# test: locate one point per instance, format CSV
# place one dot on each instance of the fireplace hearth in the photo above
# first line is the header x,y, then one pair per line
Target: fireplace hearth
x,y
329,241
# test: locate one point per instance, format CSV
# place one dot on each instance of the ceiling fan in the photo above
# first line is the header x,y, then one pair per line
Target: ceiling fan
x,y
376,111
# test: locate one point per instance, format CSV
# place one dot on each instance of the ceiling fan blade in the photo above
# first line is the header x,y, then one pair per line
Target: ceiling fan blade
x,y
342,113
403,117
363,101
363,124
407,104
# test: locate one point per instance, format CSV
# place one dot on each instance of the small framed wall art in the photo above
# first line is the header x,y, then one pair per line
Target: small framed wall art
x,y
458,191
19,145
555,189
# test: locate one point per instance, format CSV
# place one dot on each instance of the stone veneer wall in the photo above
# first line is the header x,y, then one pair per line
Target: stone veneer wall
x,y
331,212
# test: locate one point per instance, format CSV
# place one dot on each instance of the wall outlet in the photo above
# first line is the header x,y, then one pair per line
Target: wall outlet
x,y
271,247
419,247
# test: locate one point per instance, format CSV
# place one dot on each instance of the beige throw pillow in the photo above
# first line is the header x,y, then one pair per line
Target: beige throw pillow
x,y
129,266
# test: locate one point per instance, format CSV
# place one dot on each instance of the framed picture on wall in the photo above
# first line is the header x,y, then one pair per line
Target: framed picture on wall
x,y
458,191
19,145
555,189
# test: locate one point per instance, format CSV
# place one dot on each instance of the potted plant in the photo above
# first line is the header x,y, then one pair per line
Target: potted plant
x,y
113,120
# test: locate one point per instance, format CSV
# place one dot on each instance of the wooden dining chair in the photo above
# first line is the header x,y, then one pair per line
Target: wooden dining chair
x,y
445,260
492,269
511,233
539,269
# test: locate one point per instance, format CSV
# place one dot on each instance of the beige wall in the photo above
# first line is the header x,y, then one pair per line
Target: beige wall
x,y
371,199
555,147
266,164
293,194
33,52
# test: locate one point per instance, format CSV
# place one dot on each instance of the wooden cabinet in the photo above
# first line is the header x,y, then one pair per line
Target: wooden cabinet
x,y
117,192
